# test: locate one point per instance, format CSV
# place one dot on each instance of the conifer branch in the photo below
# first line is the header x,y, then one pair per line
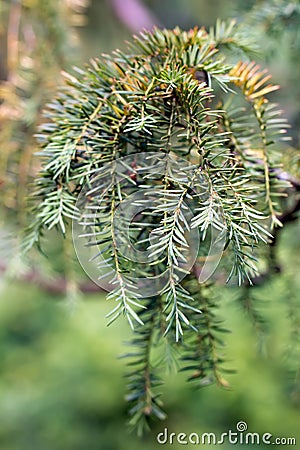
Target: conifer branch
x,y
144,152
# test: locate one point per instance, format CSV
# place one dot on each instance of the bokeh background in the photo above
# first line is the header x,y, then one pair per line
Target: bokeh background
x,y
61,383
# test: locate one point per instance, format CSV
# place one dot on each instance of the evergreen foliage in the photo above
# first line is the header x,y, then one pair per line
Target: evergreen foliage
x,y
174,97
37,41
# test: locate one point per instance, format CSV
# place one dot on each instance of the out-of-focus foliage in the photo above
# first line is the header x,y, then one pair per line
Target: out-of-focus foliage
x,y
37,40
277,25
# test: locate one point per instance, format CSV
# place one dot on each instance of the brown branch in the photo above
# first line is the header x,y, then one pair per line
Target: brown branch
x,y
58,286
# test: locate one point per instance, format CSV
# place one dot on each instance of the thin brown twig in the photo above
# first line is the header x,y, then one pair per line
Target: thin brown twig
x,y
57,286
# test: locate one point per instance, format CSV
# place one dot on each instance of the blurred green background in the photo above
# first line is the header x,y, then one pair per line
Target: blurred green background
x,y
61,383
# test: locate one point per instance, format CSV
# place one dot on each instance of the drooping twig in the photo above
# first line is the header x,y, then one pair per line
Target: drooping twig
x,y
58,286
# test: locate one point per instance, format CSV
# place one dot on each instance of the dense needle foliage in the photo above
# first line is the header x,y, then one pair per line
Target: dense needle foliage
x,y
185,138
